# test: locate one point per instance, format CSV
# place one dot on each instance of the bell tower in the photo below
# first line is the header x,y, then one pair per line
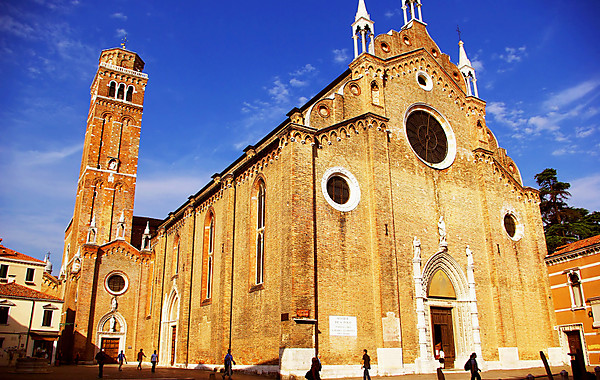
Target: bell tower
x,y
107,177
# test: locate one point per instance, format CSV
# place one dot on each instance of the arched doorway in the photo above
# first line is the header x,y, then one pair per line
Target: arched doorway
x,y
442,326
169,329
448,308
111,334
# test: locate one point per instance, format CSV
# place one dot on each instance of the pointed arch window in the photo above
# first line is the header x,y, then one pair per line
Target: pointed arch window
x,y
260,233
208,261
176,251
121,92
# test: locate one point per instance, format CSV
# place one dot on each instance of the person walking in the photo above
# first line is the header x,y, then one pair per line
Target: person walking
x,y
101,359
228,364
315,369
366,365
471,365
121,357
154,360
140,357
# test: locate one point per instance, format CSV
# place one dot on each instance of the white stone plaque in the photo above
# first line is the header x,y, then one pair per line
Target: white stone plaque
x,y
342,326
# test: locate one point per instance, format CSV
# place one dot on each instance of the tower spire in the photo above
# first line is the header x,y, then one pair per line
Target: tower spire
x,y
363,29
467,70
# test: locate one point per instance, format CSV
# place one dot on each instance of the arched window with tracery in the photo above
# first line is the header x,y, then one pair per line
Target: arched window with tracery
x,y
175,259
260,233
208,259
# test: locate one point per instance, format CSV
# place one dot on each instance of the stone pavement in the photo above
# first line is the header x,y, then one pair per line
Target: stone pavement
x,y
72,372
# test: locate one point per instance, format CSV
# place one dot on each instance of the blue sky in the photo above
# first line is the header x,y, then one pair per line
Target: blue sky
x,y
223,74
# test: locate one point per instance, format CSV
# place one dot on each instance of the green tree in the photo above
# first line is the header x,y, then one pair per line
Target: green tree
x,y
563,224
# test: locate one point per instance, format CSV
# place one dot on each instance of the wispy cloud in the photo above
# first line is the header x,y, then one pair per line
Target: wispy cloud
x,y
119,16
571,94
583,132
513,118
121,33
48,157
158,195
512,54
558,112
393,13
11,26
584,192
341,55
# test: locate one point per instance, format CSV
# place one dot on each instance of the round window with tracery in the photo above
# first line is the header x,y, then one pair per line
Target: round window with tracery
x,y
340,189
116,283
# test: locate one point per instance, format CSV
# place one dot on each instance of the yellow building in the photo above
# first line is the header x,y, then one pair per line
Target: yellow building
x,y
574,272
380,215
29,316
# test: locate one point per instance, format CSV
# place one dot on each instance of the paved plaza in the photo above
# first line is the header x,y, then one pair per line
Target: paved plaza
x,y
72,372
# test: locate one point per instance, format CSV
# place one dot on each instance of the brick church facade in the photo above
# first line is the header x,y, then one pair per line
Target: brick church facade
x,y
381,215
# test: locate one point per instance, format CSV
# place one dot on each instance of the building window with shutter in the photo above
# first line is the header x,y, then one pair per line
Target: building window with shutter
x,y
47,320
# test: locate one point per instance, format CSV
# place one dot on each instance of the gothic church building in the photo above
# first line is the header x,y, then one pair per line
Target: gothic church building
x,y
380,215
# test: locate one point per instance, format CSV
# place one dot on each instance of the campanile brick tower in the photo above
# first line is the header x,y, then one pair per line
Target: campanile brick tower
x,y
106,185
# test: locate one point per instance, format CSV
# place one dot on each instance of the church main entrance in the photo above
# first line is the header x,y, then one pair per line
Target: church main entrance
x,y
111,349
441,322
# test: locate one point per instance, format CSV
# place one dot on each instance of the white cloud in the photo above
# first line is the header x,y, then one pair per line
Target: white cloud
x,y
584,192
513,54
513,118
48,157
121,33
564,150
308,68
571,94
119,16
297,83
392,13
477,65
279,91
340,55
583,132
159,195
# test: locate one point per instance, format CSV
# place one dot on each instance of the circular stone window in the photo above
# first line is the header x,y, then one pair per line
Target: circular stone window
x,y
340,189
512,226
406,40
323,111
430,137
424,80
385,47
354,89
116,283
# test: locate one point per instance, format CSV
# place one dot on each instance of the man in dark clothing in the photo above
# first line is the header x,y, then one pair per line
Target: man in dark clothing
x,y
228,364
366,365
100,358
473,367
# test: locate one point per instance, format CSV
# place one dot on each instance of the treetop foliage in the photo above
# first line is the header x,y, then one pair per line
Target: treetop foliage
x,y
563,224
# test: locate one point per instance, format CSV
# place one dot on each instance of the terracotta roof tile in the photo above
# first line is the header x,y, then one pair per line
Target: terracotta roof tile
x,y
20,291
7,253
577,245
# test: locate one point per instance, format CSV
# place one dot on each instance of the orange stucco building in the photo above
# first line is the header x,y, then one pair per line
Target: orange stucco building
x,y
574,272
